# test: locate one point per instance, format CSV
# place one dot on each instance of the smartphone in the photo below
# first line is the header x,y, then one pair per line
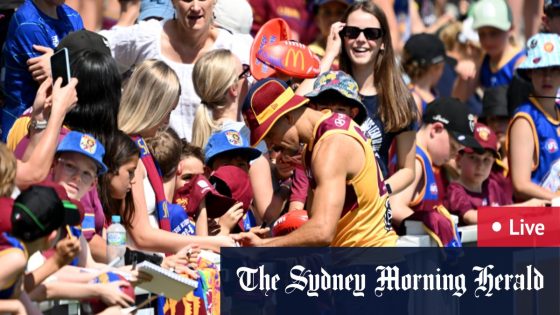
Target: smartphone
x,y
60,66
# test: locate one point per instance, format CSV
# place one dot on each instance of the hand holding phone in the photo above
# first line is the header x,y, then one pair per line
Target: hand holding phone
x,y
60,66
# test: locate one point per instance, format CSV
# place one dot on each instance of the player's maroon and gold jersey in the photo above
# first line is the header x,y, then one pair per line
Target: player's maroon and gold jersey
x,y
365,220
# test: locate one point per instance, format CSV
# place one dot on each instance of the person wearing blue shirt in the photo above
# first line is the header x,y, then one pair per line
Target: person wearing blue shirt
x,y
36,23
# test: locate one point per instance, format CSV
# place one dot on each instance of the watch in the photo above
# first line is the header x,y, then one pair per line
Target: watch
x,y
38,124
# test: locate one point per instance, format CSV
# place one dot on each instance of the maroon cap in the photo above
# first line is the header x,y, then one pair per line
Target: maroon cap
x,y
486,138
197,189
6,205
233,182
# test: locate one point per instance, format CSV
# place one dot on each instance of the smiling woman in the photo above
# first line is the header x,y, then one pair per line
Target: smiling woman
x,y
179,42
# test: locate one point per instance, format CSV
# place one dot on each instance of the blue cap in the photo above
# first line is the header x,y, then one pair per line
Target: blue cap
x,y
156,9
84,144
543,51
229,141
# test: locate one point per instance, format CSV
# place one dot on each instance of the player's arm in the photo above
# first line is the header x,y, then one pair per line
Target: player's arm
x,y
400,201
335,159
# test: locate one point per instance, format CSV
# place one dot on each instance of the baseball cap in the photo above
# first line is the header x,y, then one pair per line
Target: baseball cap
x,y
84,144
233,182
160,9
230,141
199,188
543,51
455,117
493,13
240,22
494,102
74,210
486,138
267,101
38,211
426,49
84,40
343,84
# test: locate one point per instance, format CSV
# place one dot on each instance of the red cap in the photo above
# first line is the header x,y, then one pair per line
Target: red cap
x,y
231,181
191,195
486,138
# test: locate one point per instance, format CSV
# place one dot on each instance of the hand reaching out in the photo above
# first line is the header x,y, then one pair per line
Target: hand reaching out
x,y
66,250
40,67
230,218
111,293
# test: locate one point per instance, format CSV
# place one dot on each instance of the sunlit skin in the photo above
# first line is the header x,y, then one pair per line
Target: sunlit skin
x,y
361,51
284,136
443,147
188,168
475,169
194,14
121,182
82,166
493,40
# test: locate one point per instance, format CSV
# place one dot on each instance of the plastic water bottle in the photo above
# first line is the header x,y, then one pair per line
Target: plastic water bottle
x,y
116,241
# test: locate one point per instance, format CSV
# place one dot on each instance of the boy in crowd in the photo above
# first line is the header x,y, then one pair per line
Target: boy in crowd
x,y
478,186
35,30
447,128
38,216
346,210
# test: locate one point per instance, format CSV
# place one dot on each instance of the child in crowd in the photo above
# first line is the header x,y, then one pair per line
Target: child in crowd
x,y
492,20
165,147
532,137
478,186
423,60
447,128
191,164
551,17
38,217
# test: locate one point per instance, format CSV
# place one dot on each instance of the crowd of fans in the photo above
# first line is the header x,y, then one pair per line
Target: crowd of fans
x,y
201,123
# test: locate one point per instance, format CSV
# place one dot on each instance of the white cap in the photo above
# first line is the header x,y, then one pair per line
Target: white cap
x,y
234,15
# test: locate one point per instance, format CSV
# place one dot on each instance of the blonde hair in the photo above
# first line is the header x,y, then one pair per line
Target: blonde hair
x,y
7,171
213,74
449,35
151,93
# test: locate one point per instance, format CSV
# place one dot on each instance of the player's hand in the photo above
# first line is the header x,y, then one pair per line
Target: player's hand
x,y
111,293
230,218
248,239
40,67
66,250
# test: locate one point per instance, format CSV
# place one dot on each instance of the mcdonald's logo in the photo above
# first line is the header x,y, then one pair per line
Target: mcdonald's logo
x,y
296,56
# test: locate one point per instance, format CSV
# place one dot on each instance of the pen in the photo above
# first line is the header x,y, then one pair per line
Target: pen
x,y
70,235
114,262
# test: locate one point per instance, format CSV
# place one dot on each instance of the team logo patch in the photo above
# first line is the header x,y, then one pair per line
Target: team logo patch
x,y
234,138
88,144
433,189
483,133
340,120
548,47
551,146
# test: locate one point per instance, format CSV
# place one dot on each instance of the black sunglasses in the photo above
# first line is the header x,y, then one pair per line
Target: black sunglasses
x,y
371,33
246,72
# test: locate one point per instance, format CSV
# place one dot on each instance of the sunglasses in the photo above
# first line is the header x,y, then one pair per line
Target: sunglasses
x,y
371,33
245,73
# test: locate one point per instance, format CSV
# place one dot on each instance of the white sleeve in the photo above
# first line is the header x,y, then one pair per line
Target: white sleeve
x,y
133,44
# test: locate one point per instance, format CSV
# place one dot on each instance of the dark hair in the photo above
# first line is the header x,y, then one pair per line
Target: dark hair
x,y
397,107
165,148
189,150
119,149
99,94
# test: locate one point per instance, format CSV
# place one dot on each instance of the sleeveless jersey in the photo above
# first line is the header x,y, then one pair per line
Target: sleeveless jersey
x,y
9,244
501,77
429,196
365,220
546,135
423,104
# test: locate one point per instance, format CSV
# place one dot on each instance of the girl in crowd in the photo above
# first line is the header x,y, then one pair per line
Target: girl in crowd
x,y
363,39
179,42
220,80
534,154
149,97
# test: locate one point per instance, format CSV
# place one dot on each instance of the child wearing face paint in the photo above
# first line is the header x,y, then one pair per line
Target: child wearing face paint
x,y
37,219
534,155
